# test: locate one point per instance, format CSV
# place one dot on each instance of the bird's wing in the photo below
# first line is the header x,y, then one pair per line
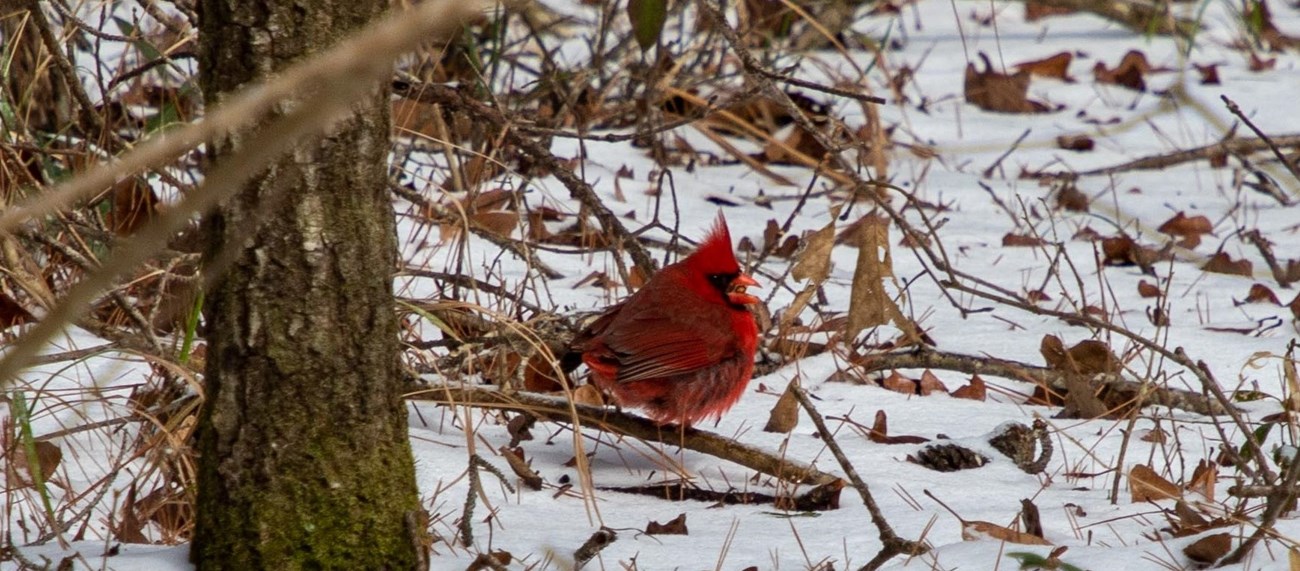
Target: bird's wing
x,y
654,344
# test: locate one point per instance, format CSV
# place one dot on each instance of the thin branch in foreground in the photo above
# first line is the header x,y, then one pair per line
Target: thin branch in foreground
x,y
1288,163
891,543
333,80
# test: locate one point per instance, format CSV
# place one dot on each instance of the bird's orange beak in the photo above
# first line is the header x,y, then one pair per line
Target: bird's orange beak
x,y
736,291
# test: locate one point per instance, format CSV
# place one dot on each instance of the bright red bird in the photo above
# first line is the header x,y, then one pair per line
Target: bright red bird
x,y
682,346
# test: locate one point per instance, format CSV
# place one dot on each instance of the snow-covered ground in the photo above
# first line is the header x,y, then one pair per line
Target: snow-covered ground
x,y
936,40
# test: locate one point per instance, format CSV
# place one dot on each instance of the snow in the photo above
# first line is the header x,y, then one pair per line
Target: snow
x,y
543,528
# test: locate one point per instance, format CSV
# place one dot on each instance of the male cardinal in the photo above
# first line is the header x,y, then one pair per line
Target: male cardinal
x,y
682,346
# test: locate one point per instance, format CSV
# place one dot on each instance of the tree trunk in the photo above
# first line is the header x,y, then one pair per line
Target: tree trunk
x,y
304,458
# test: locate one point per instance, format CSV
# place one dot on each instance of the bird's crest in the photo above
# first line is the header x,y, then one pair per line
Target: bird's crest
x,y
714,255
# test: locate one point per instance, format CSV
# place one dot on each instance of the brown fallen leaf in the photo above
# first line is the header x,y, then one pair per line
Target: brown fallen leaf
x,y
541,377
1209,549
930,384
1148,290
975,390
1188,228
1055,67
12,313
1079,143
588,395
1222,263
999,92
1130,72
1204,478
785,413
979,530
1070,198
1259,293
1158,436
677,526
1209,73
1258,64
898,383
1035,11
1146,485
1012,239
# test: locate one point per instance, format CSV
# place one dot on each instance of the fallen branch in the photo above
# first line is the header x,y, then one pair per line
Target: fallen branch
x,y
1056,380
1202,153
610,420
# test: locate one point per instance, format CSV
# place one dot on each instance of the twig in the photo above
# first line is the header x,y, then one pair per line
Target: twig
x,y
1205,152
988,172
1288,163
1266,251
892,544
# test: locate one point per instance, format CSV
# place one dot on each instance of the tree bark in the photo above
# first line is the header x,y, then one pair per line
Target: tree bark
x,y
304,458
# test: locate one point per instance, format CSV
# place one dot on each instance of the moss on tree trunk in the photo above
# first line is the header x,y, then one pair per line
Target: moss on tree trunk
x,y
305,462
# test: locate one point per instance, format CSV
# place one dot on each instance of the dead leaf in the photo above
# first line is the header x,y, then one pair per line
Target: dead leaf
x,y
1204,478
1295,306
133,204
879,433
1209,73
588,395
1056,67
541,376
1021,240
1222,263
1129,73
11,313
1209,549
975,390
1259,293
799,148
1079,143
1035,11
129,528
999,92
1258,64
813,264
869,304
898,383
880,429
1146,485
675,527
1087,357
1148,290
785,414
930,384
1069,197
981,530
1033,523
519,465
1190,229
1158,436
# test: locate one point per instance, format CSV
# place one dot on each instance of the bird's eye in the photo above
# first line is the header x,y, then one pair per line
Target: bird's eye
x,y
721,281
